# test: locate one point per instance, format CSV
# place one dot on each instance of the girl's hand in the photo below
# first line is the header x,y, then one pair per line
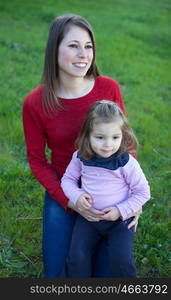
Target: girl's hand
x,y
84,202
111,213
90,214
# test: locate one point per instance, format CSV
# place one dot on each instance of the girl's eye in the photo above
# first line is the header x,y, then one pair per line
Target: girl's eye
x,y
99,137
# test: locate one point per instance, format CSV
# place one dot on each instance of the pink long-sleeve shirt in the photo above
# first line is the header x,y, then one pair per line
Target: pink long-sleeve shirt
x,y
114,181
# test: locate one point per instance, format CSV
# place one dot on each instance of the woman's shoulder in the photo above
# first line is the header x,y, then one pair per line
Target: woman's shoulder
x,y
106,81
34,96
108,88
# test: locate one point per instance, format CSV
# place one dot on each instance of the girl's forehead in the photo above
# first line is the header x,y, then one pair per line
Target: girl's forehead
x,y
109,122
106,126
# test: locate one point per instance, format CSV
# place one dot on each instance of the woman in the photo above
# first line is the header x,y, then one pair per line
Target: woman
x,y
52,116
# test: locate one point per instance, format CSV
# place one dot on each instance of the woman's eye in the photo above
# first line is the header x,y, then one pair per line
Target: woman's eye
x,y
73,46
89,47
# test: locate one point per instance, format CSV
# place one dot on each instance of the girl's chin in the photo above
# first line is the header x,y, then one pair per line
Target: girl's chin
x,y
106,153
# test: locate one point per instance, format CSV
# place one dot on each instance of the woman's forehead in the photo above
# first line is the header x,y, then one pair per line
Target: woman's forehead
x,y
76,33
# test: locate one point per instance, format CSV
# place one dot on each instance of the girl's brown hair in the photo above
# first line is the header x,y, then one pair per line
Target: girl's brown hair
x,y
59,27
105,111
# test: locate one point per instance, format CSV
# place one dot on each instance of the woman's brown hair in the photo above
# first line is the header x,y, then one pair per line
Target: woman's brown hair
x,y
105,111
59,27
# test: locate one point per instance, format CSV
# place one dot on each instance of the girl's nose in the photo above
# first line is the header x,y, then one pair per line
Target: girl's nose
x,y
108,143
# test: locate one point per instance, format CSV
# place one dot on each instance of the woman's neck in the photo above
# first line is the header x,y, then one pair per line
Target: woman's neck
x,y
74,88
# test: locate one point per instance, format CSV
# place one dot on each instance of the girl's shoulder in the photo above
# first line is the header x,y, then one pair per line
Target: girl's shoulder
x,y
132,163
75,154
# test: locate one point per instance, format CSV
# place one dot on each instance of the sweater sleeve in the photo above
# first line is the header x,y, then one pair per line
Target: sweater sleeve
x,y
118,97
119,100
71,178
139,188
35,138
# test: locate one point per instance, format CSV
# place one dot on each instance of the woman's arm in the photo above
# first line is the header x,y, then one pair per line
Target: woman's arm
x,y
35,139
119,100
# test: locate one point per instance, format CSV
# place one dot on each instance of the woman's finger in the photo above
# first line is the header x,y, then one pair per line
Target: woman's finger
x,y
134,222
138,213
92,219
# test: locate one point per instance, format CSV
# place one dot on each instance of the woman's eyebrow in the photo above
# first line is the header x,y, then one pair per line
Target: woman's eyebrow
x,y
75,41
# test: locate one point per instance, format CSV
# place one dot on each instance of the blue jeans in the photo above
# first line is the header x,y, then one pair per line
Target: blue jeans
x,y
85,238
57,233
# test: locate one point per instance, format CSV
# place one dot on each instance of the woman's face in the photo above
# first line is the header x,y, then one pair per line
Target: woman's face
x,y
75,53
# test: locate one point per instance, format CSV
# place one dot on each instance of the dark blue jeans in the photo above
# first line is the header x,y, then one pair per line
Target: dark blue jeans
x,y
85,238
57,233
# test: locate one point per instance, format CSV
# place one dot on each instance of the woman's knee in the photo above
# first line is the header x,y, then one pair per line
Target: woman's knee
x,y
54,215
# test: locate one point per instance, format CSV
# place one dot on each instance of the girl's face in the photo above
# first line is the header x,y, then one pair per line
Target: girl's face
x,y
75,53
105,138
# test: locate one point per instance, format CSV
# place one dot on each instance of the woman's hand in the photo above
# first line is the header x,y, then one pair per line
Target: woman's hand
x,y
90,214
108,214
136,216
113,213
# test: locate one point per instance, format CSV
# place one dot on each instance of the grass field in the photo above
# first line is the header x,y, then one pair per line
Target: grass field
x,y
134,47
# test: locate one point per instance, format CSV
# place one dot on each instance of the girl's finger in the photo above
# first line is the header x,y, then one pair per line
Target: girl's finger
x,y
96,212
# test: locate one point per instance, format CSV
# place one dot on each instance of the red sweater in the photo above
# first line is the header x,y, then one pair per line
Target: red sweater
x,y
59,133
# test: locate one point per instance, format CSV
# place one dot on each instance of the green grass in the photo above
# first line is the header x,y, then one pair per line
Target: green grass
x,y
134,47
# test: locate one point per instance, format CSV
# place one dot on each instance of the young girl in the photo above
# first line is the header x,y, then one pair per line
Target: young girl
x,y
111,181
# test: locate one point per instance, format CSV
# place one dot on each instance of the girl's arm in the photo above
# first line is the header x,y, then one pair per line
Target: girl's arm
x,y
70,181
139,190
139,193
113,213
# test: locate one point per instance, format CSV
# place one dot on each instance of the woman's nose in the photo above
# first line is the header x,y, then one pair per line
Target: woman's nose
x,y
81,52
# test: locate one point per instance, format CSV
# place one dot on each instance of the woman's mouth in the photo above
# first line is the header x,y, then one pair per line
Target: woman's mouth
x,y
80,65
